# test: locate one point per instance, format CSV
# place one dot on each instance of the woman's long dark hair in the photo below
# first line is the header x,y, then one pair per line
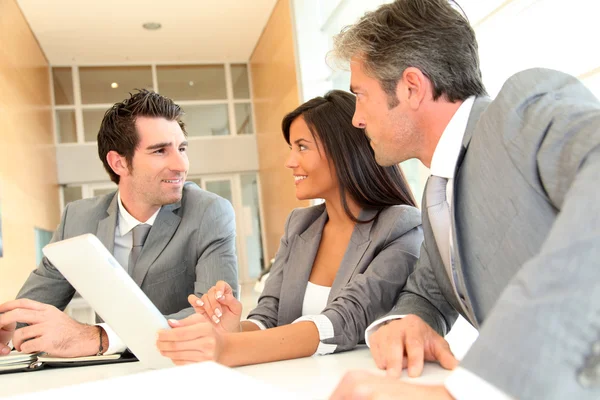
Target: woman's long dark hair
x,y
370,185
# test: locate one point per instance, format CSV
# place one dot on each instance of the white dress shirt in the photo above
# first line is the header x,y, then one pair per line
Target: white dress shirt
x,y
462,384
123,245
314,302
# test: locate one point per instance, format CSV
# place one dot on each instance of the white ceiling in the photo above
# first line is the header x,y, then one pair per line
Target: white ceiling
x,y
110,31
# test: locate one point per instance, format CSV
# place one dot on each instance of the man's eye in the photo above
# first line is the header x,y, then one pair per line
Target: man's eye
x,y
159,151
183,149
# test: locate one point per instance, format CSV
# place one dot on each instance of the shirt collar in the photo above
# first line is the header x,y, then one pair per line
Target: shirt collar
x,y
127,222
443,162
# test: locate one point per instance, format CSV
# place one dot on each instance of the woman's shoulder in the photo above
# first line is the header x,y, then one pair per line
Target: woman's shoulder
x,y
399,218
301,218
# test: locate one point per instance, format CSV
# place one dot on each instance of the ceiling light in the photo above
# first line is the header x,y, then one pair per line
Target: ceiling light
x,y
191,83
114,85
152,26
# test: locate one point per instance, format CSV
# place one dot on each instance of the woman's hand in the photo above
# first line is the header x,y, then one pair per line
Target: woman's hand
x,y
220,306
193,339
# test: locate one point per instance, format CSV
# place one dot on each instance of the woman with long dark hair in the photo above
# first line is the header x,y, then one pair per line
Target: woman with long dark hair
x,y
340,265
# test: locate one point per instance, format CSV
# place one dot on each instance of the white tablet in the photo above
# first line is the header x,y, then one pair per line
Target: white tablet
x,y
105,285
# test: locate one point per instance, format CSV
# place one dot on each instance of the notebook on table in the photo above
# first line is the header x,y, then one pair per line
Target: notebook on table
x,y
21,362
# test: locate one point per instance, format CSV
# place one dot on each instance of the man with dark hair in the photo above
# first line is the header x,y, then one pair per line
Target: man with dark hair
x,y
511,212
187,235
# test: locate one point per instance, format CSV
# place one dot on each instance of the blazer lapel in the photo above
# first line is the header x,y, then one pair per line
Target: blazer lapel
x,y
359,243
304,251
160,235
479,107
107,225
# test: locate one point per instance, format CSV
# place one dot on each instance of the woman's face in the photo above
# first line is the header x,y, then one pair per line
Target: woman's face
x,y
313,175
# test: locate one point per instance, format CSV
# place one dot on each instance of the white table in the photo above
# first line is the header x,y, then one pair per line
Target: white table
x,y
311,377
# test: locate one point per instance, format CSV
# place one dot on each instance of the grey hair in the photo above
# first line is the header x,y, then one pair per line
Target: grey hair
x,y
430,35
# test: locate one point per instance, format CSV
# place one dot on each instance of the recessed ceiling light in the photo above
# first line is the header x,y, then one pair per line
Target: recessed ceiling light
x,y
152,26
114,85
191,83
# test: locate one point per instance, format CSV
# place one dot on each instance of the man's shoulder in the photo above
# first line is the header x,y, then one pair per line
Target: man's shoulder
x,y
195,198
90,206
535,83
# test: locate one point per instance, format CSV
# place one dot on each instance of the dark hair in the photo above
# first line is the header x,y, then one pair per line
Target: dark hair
x,y
370,185
117,130
430,35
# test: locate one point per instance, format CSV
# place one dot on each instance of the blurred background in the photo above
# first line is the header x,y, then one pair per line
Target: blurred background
x,y
236,67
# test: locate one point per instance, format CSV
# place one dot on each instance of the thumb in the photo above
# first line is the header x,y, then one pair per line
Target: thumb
x,y
191,320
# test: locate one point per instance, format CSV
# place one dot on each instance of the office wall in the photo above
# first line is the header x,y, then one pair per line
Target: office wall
x,y
275,92
28,180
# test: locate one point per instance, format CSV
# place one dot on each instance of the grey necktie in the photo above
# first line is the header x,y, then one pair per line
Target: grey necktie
x,y
438,211
140,233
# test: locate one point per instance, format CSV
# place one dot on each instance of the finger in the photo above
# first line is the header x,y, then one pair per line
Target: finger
x,y
205,344
188,356
198,330
415,353
395,358
33,346
26,333
196,302
4,349
376,349
211,306
222,288
23,315
22,303
443,354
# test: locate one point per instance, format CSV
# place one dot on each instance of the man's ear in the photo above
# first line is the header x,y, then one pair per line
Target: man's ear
x,y
413,87
117,163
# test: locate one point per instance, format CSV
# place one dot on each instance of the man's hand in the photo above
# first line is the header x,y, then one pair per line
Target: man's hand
x,y
413,338
362,386
192,339
6,333
50,330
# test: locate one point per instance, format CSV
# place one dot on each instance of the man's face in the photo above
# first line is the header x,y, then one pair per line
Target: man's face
x,y
392,132
160,163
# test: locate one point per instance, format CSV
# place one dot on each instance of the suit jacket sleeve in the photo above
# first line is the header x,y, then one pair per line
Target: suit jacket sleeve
x,y
423,297
218,260
539,340
267,310
46,284
373,292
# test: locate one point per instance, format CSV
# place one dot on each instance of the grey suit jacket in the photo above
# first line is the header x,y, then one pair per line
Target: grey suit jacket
x,y
377,262
526,220
190,247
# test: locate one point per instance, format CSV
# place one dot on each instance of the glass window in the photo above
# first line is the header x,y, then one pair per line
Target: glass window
x,y
66,129
102,192
222,188
42,238
192,82
207,120
91,123
107,85
243,118
251,221
239,80
71,193
63,86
